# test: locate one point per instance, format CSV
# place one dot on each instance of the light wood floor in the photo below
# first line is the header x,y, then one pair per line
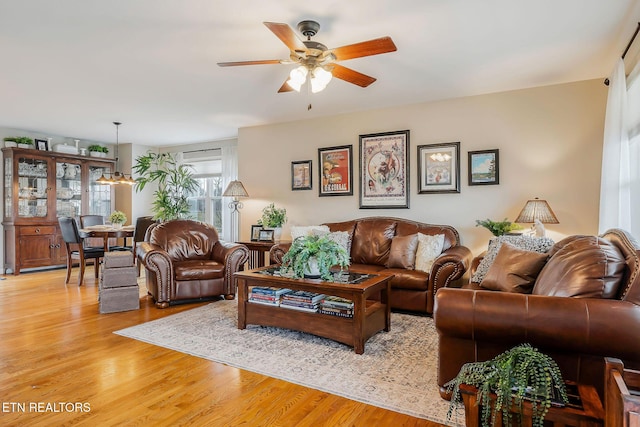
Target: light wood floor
x,y
57,350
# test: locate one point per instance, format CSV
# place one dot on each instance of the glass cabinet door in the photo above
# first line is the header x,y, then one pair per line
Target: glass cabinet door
x,y
99,194
68,189
8,187
32,188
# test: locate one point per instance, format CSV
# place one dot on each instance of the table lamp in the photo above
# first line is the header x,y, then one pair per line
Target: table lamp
x,y
538,212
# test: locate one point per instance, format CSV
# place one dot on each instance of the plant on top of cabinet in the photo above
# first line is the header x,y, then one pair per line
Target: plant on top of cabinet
x,y
23,141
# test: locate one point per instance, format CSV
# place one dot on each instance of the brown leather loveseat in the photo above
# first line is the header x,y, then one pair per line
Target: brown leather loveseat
x,y
371,244
584,306
185,261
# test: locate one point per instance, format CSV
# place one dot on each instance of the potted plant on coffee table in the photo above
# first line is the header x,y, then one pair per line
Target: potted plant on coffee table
x,y
313,256
511,377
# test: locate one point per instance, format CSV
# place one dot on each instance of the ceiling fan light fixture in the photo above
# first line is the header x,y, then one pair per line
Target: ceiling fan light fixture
x,y
297,77
320,78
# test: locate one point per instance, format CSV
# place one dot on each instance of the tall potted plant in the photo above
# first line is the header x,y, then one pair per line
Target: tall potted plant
x,y
313,256
175,184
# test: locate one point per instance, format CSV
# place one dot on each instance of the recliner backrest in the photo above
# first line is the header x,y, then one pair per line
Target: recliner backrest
x,y
630,248
184,239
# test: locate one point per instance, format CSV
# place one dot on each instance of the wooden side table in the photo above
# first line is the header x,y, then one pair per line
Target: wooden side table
x,y
591,414
258,252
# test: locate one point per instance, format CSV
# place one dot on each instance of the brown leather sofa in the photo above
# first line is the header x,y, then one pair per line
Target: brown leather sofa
x,y
577,332
185,261
411,290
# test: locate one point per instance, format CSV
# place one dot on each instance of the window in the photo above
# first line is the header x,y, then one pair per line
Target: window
x,y
206,205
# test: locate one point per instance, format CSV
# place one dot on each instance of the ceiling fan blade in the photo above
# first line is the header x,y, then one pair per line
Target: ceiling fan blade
x,y
351,76
285,87
233,64
287,35
358,50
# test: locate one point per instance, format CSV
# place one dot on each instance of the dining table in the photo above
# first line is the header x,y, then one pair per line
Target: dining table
x,y
107,232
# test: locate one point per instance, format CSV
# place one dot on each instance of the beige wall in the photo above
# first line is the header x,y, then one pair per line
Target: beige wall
x,y
550,142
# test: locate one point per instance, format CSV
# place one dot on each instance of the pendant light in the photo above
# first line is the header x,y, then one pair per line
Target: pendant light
x,y
117,177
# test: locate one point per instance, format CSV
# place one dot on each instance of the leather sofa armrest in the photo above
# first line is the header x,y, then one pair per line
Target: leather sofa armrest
x,y
448,270
277,252
157,260
233,256
601,327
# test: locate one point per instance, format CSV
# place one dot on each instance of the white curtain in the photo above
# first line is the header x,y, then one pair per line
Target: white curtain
x,y
230,231
620,182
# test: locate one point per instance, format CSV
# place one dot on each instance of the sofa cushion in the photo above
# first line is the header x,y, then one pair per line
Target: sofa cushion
x,y
307,230
429,248
514,270
536,244
371,241
582,266
403,252
342,238
198,270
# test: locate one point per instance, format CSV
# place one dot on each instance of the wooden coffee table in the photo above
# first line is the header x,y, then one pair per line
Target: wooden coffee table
x,y
369,315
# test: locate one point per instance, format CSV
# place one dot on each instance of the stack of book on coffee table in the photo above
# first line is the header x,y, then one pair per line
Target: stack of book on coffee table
x,y
336,306
267,295
301,300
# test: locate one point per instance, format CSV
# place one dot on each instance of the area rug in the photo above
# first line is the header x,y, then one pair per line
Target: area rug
x,y
397,370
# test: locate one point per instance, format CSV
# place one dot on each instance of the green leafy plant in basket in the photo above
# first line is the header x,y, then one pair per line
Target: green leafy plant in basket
x,y
98,148
498,228
513,376
309,250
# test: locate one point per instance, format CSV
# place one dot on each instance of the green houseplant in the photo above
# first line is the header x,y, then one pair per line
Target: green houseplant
x,y
98,149
117,218
273,217
498,228
175,184
313,256
511,376
24,141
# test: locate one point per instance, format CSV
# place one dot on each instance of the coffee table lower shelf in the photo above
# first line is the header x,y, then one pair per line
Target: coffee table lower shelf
x,y
369,316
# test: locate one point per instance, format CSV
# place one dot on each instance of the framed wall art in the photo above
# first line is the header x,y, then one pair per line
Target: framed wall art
x,y
335,171
384,170
439,168
301,175
484,167
42,144
255,232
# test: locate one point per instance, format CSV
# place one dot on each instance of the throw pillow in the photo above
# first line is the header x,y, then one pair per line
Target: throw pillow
x,y
514,270
403,252
307,230
584,267
529,243
342,238
429,247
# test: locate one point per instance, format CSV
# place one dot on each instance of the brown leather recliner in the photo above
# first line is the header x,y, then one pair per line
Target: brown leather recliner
x,y
185,261
476,324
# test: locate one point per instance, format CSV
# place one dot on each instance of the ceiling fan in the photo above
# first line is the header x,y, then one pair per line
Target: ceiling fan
x,y
317,63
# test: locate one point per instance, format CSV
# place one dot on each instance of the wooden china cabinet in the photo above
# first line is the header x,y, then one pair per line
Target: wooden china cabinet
x,y
39,187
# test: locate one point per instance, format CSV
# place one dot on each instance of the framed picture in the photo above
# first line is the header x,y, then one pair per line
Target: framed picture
x,y
484,167
301,175
42,144
384,170
265,236
255,232
439,168
336,177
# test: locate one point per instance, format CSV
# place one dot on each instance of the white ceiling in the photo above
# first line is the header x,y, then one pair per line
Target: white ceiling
x,y
71,67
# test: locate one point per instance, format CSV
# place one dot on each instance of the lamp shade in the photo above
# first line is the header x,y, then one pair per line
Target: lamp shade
x,y
235,189
537,209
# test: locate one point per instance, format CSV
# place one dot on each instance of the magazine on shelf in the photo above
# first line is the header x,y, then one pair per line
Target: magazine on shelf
x,y
335,313
294,307
269,290
299,304
303,296
265,302
331,300
263,297
342,311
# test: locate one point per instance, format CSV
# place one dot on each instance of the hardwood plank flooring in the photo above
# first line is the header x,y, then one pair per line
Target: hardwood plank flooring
x,y
57,350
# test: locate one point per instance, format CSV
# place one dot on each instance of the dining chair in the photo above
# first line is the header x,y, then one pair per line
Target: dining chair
x,y
88,221
76,249
142,224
